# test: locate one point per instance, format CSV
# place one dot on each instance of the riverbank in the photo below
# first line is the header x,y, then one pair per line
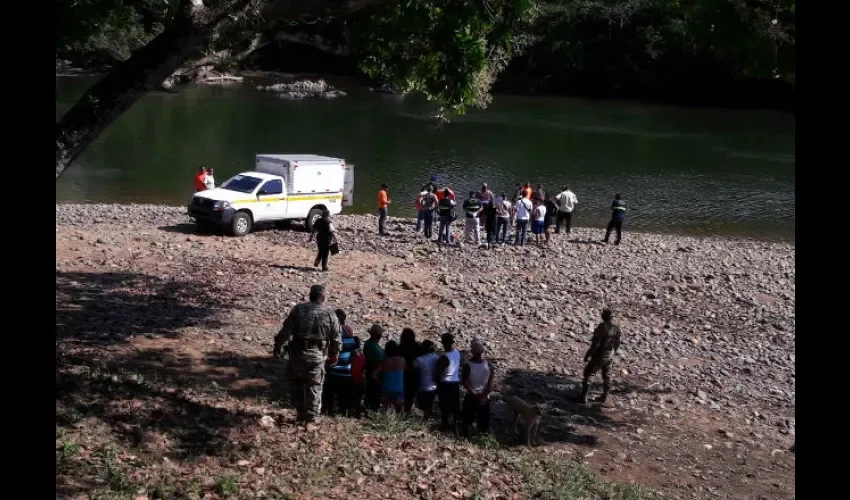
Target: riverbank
x,y
163,368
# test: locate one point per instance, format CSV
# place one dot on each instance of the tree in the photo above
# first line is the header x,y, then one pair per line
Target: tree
x,y
448,49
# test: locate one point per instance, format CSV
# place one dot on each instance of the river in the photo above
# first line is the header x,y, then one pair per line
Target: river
x,y
682,170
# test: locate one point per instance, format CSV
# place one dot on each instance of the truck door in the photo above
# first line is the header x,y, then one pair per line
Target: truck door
x,y
348,186
271,201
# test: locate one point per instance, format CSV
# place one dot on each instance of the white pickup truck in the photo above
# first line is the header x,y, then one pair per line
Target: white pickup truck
x,y
282,188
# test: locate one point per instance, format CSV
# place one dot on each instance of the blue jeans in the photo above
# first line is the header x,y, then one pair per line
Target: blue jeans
x,y
419,217
425,216
382,221
502,229
521,226
445,230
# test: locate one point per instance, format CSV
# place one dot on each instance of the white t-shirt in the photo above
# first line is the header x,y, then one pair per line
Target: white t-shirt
x,y
523,209
209,181
566,201
426,364
541,213
453,371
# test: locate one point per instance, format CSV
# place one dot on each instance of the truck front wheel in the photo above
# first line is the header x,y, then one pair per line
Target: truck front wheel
x,y
241,224
314,215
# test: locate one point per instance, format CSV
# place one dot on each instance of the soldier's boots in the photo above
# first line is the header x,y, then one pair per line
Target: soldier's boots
x,y
604,396
584,388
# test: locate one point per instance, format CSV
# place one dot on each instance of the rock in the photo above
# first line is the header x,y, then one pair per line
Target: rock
x,y
701,395
455,303
408,285
268,421
243,463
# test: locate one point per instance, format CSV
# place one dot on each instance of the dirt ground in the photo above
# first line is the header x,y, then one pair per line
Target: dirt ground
x,y
164,375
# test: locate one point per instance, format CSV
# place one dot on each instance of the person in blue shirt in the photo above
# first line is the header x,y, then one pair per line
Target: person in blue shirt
x,y
618,215
338,383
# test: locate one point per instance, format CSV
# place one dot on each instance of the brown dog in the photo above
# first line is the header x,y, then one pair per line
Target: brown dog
x,y
530,415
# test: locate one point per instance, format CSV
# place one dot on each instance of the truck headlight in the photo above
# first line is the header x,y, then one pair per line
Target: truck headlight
x,y
221,205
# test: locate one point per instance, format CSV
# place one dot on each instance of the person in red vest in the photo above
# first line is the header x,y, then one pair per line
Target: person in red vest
x,y
201,179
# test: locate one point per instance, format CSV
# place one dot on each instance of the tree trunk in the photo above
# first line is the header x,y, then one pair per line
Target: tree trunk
x,y
113,94
191,31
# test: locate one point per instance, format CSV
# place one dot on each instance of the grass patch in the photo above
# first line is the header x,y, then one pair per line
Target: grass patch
x,y
394,424
67,451
557,479
226,486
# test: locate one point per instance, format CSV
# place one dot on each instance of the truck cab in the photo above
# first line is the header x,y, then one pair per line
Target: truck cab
x,y
282,188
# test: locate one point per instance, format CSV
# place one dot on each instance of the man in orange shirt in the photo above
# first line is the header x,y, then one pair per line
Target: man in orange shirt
x,y
201,179
383,202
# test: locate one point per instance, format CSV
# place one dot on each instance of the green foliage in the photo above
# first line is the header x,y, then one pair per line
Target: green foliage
x,y
108,29
636,42
449,50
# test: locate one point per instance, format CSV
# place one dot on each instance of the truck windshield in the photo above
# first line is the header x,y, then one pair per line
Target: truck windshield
x,y
242,183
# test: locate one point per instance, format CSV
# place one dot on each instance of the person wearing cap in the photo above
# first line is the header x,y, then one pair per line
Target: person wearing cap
x,y
431,184
477,375
383,202
200,179
312,336
600,355
374,357
448,382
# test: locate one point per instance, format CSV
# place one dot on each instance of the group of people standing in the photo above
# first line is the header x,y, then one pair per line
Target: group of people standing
x,y
330,369
530,210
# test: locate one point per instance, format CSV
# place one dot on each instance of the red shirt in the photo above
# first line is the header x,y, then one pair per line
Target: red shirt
x,y
199,182
358,366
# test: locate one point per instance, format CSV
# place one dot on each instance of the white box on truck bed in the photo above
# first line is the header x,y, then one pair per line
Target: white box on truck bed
x,y
305,173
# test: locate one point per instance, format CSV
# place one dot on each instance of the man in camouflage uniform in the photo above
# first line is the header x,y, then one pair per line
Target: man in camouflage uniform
x,y
600,355
312,336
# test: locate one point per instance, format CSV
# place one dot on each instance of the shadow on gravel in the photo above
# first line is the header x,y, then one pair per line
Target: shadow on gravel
x,y
557,396
306,269
107,307
192,228
588,242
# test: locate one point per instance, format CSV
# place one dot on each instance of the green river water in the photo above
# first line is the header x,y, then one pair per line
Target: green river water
x,y
682,170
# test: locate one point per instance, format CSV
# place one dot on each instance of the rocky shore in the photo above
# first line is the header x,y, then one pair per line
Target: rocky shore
x,y
704,395
303,89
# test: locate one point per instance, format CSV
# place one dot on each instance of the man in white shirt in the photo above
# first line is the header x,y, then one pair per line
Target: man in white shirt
x,y
447,371
425,365
522,211
566,204
209,181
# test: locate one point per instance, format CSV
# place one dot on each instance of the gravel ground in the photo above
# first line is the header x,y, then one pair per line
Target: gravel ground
x,y
704,394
